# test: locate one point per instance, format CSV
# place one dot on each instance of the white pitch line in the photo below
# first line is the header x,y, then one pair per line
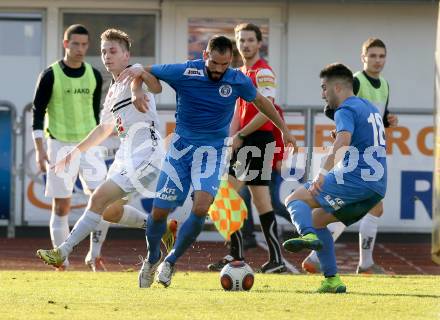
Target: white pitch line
x,y
398,256
289,266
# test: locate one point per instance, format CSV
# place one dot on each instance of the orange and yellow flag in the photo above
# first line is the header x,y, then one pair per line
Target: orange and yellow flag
x,y
228,211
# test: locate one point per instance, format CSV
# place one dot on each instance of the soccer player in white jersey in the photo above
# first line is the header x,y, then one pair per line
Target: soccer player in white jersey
x,y
137,162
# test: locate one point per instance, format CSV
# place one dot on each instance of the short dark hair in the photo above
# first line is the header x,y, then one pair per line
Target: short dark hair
x,y
372,43
249,27
119,36
337,71
221,44
75,29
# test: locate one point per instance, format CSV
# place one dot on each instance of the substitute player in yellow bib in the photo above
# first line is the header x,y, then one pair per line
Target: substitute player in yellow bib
x,y
65,109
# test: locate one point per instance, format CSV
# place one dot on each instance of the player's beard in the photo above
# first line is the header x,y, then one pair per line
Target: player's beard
x,y
210,75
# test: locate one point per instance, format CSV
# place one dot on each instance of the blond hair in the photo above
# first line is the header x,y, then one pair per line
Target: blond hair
x,y
117,35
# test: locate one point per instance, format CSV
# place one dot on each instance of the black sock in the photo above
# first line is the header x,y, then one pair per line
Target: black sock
x,y
270,231
237,245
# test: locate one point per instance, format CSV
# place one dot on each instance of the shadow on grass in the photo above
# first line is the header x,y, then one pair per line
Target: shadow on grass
x,y
429,296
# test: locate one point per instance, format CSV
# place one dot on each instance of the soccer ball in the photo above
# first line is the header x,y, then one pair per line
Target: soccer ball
x,y
237,276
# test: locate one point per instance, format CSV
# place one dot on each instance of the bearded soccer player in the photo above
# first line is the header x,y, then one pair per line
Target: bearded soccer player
x,y
206,92
368,84
351,181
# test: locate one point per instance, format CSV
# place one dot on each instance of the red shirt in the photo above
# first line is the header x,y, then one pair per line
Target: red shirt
x,y
278,136
263,79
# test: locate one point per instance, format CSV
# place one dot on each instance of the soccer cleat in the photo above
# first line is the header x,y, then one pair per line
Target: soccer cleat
x,y
218,266
332,285
95,264
146,274
309,241
310,265
51,257
64,267
165,272
373,269
273,267
169,237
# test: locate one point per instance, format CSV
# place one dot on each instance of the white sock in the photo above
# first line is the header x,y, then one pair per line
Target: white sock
x,y
85,225
59,229
367,238
97,238
336,229
133,218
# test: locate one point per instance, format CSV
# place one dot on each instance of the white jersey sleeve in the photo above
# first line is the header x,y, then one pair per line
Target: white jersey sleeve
x,y
266,83
106,116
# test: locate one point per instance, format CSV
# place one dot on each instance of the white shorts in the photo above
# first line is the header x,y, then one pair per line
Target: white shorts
x,y
90,166
137,169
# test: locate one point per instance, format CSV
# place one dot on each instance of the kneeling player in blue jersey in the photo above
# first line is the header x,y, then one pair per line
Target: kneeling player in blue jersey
x,y
206,91
352,179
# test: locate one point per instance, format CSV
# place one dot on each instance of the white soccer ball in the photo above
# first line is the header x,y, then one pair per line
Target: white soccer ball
x,y
237,276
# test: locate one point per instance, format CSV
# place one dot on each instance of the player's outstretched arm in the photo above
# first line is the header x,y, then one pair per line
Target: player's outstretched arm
x,y
266,107
95,137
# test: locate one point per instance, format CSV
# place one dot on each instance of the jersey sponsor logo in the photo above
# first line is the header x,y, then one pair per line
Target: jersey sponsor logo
x,y
193,72
336,204
119,126
225,90
78,91
168,194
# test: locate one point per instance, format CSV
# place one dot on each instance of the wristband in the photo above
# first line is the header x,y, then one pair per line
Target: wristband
x,y
36,134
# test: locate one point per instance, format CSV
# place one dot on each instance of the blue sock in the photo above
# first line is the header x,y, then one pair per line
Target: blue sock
x,y
154,233
188,233
326,255
301,215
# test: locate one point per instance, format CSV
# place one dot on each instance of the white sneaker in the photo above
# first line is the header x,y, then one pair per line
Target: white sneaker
x,y
164,273
146,274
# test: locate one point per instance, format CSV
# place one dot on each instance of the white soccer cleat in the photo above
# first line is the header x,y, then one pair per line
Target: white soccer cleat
x,y
165,273
146,274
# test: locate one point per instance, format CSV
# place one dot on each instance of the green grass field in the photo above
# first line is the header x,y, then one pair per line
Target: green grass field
x,y
83,295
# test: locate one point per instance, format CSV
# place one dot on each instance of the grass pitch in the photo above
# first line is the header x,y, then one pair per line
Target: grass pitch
x,y
83,295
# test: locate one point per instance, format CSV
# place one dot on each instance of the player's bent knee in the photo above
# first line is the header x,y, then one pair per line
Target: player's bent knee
x,y
377,211
113,212
298,194
62,206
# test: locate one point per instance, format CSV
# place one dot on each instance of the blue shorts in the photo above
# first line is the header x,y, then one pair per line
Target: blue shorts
x,y
187,165
348,202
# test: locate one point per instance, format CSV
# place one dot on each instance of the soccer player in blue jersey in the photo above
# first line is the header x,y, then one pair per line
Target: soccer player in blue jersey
x,y
352,179
206,91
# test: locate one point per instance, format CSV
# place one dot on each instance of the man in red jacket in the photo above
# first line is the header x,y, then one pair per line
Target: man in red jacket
x,y
254,145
